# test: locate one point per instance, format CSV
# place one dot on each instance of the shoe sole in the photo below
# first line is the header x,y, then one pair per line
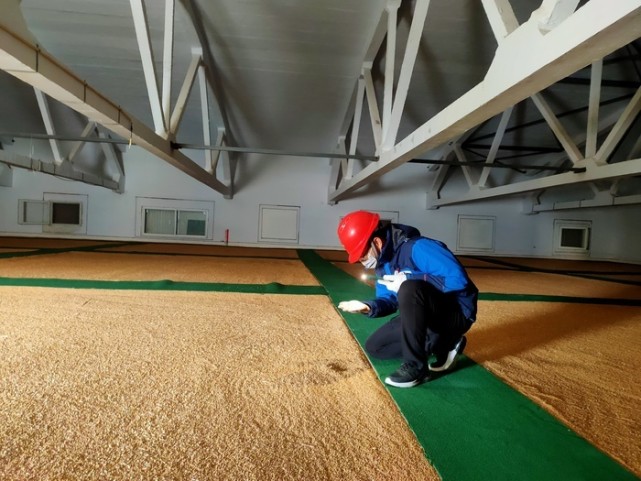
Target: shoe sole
x,y
413,383
452,357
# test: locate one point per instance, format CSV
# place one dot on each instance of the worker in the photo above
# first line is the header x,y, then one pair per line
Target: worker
x,y
421,279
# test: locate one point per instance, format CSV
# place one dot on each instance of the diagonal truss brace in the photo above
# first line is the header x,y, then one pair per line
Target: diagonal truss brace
x,y
43,104
139,16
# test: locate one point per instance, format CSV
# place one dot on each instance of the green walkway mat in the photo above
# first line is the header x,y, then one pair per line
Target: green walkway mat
x,y
472,426
163,285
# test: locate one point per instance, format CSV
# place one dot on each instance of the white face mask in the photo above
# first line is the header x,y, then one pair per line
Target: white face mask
x,y
371,261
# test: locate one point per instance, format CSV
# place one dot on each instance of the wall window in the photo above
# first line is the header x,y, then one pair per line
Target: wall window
x,y
170,222
190,219
66,213
53,215
572,237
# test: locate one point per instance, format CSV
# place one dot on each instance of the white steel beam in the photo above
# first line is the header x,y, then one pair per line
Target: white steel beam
x,y
437,185
593,108
227,170
620,128
183,95
602,199
441,175
64,170
605,124
146,54
338,167
27,62
635,151
168,58
372,104
211,72
110,154
557,127
212,164
407,67
593,31
356,123
78,145
593,172
501,17
45,113
494,148
204,113
552,12
372,50
390,55
467,171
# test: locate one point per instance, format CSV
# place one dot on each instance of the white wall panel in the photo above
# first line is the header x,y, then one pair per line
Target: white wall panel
x,y
616,234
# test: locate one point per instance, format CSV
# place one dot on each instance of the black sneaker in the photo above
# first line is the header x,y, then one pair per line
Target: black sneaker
x,y
408,375
448,360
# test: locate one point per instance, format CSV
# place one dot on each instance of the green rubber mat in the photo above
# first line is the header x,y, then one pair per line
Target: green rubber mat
x,y
163,285
472,426
58,250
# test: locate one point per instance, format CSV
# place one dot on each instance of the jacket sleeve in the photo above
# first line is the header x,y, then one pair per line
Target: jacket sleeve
x,y
384,304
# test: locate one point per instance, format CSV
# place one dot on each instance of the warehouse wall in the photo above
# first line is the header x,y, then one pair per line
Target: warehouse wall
x,y
300,182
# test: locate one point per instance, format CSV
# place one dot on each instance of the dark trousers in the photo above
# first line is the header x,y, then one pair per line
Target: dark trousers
x,y
429,322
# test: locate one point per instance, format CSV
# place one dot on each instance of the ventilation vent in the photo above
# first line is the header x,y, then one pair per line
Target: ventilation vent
x,y
475,233
279,223
34,212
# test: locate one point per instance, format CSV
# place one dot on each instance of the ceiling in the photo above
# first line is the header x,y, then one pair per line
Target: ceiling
x,y
282,76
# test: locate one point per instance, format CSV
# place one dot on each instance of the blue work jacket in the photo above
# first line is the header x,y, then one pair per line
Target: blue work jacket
x,y
423,258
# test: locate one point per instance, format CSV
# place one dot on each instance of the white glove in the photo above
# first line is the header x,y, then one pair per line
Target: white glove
x,y
393,281
353,306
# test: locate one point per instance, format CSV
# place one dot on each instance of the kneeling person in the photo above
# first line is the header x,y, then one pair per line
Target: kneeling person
x,y
422,280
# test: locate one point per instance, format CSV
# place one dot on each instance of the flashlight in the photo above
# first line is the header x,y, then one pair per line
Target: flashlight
x,y
370,277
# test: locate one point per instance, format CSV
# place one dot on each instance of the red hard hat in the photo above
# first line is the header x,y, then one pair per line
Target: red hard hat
x,y
355,230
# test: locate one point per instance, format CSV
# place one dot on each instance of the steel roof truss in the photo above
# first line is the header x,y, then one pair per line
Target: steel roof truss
x,y
593,31
25,61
